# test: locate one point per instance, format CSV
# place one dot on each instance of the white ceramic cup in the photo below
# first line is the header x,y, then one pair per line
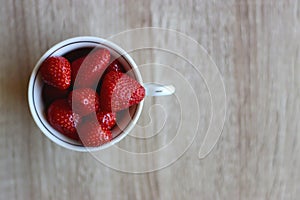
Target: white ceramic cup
x,y
38,108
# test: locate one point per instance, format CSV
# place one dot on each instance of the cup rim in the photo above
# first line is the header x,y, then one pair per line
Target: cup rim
x,y
39,121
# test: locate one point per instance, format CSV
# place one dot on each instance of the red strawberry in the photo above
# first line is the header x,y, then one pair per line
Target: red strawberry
x,y
106,119
75,65
93,135
119,92
115,66
51,93
92,68
84,101
56,71
63,119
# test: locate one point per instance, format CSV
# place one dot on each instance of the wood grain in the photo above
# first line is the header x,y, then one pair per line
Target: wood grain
x,y
254,43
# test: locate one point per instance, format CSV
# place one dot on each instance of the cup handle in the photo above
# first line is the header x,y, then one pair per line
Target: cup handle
x,y
155,90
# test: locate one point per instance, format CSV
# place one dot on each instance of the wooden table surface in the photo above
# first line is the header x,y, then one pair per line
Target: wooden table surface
x,y
255,45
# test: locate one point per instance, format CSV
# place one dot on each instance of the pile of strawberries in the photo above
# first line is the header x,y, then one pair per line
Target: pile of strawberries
x,y
74,105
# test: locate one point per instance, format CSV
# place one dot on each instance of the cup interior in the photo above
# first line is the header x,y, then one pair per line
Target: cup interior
x,y
72,49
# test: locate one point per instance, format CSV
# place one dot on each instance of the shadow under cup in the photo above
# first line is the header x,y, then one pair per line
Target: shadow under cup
x,y
72,50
